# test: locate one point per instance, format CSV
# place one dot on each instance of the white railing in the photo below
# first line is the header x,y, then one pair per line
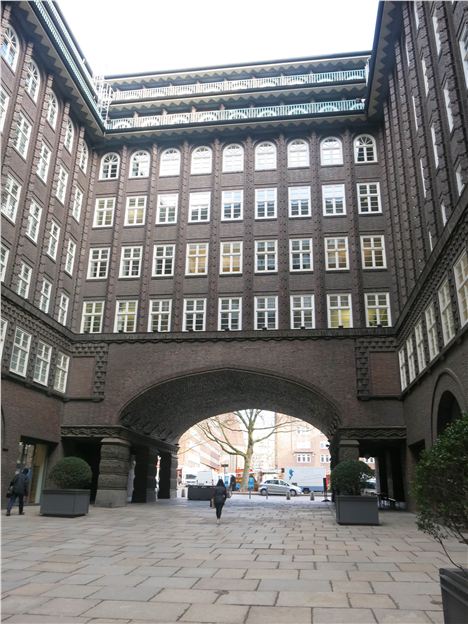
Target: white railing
x,y
236,114
239,85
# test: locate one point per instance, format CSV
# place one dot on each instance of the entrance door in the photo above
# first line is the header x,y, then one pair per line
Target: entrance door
x,y
33,456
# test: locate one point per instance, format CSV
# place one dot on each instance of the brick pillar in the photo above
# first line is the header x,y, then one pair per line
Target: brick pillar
x,y
113,473
168,476
348,449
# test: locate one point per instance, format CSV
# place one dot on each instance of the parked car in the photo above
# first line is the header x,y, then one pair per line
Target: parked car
x,y
369,488
278,486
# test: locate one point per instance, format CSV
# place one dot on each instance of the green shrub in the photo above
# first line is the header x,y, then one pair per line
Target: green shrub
x,y
71,473
441,485
350,477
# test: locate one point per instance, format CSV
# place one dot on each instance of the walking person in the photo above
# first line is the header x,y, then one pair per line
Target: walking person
x,y
233,483
220,495
19,489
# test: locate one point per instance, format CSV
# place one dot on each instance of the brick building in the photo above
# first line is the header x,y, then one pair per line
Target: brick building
x,y
288,235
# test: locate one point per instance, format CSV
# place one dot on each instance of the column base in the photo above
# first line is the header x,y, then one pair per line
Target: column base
x,y
111,498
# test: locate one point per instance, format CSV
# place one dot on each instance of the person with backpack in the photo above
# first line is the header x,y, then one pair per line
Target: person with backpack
x,y
219,498
18,490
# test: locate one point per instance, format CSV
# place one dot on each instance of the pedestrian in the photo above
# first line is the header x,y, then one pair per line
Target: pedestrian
x,y
232,483
219,498
18,490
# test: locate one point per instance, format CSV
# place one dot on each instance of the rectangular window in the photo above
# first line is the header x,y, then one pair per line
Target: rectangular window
x,y
408,59
461,284
300,254
130,262
411,360
92,317
62,182
63,309
4,253
104,212
446,315
44,297
425,80
194,315
302,312
333,200
3,331
24,280
325,459
231,258
377,310
44,162
402,363
135,210
431,327
229,313
163,260
340,313
369,198
435,25
266,256
448,108
299,201
61,372
167,208
443,213
70,257
199,207
22,136
77,204
265,203
4,100
373,252
10,198
20,352
336,254
98,263
34,221
197,259
463,42
419,336
459,179
434,146
54,236
42,363
266,312
232,205
160,315
126,316
423,180
304,458
415,112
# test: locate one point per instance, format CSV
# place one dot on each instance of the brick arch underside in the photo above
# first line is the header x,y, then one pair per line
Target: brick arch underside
x,y
167,410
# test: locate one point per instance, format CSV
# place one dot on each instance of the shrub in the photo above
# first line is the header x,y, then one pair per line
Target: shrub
x,y
350,476
441,485
71,473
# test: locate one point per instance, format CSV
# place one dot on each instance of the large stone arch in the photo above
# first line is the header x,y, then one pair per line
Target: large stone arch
x,y
448,401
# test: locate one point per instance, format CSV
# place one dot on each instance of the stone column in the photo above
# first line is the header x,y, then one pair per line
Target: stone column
x,y
153,455
113,473
145,475
168,475
348,449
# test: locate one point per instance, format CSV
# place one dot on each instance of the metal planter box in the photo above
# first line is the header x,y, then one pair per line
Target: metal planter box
x,y
454,588
64,503
356,509
200,492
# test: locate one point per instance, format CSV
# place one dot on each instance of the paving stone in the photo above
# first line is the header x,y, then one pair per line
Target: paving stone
x,y
227,584
63,606
139,593
435,616
384,587
154,571
279,615
312,598
79,579
196,572
193,596
411,577
272,574
146,611
294,585
172,582
49,619
232,573
371,601
70,591
225,614
343,616
421,602
369,575
32,589
119,580
20,604
400,616
261,598
355,587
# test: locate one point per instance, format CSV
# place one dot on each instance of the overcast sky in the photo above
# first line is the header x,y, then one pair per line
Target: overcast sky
x,y
131,36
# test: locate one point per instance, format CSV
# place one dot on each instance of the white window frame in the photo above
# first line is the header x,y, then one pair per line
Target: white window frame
x,y
299,201
20,352
103,209
201,161
194,316
4,255
45,296
301,250
460,270
163,258
84,156
110,166
77,204
62,182
334,248
62,313
425,78
302,311
434,146
435,26
24,280
233,158
229,313
419,339
196,259
368,194
443,214
130,261
298,154
22,136
54,237
42,363
69,136
10,48
411,359
379,308
459,179
199,206
232,205
268,250
92,316
169,163
431,328
70,254
333,200
267,199
43,164
265,156
463,44
230,258
135,210
342,305
61,372
167,208
365,149
415,112
403,369
4,103
52,110
446,313
448,108
160,315
126,316
140,164
33,81
98,263
331,152
11,194
34,221
266,312
373,255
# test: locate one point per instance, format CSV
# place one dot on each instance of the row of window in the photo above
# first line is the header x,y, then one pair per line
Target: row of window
x,y
201,162
42,364
412,357
302,313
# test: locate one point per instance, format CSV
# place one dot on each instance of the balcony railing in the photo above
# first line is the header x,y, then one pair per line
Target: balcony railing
x,y
239,85
236,114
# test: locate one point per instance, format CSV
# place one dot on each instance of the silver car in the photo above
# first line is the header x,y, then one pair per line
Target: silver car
x,y
278,486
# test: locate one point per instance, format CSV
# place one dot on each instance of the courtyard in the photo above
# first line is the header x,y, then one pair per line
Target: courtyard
x,y
269,561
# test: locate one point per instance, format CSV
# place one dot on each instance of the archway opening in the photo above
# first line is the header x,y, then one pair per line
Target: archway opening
x,y
449,410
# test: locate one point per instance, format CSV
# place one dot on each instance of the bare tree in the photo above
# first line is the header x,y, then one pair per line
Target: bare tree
x,y
237,433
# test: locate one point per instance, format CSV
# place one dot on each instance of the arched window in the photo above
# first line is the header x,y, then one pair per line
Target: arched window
x,y
298,154
33,80
265,156
84,155
201,160
365,149
10,47
331,151
69,135
170,163
139,165
52,110
233,158
110,164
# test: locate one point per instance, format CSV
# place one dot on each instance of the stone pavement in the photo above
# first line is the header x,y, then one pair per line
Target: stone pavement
x,y
268,562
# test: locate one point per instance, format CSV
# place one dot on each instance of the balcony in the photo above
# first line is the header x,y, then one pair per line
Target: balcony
x,y
236,114
239,85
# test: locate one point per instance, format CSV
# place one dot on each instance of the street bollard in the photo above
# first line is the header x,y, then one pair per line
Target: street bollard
x,y
182,494
250,493
288,495
266,495
312,497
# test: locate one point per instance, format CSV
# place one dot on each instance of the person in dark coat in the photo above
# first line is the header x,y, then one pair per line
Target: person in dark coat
x,y
232,483
19,489
219,498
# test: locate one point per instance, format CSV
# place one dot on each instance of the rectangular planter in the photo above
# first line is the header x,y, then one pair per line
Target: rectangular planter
x,y
200,492
356,509
454,588
64,503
